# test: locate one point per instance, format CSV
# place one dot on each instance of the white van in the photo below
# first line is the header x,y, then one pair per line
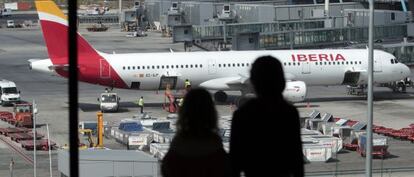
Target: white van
x,y
10,24
109,102
8,93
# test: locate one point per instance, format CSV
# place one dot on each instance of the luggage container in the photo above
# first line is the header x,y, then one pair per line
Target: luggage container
x,y
379,145
328,117
317,152
130,132
158,150
314,123
315,114
307,132
326,128
333,142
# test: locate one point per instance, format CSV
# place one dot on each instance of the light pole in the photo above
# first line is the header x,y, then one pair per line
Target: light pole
x,y
34,137
368,160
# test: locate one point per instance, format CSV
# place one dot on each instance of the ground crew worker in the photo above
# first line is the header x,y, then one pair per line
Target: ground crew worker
x,y
141,104
187,84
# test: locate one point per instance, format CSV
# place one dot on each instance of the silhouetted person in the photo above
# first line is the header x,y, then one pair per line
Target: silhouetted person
x,y
278,122
197,149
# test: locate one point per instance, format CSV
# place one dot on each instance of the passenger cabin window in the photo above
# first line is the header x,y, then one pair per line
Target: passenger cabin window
x,y
128,68
133,67
123,67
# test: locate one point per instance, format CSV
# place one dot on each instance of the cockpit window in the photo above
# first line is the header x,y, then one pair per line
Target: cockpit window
x,y
392,61
396,61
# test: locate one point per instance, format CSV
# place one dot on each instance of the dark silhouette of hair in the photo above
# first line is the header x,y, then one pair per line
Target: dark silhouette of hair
x,y
265,82
197,116
267,78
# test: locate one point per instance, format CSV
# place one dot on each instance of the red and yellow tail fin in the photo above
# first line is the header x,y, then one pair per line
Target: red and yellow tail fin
x,y
55,29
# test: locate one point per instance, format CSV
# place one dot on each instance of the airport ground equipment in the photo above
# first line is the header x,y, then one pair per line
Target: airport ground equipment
x,y
355,90
8,93
86,132
316,152
93,125
379,146
158,150
97,28
131,133
23,115
6,116
42,144
10,130
89,133
24,136
406,133
171,100
109,102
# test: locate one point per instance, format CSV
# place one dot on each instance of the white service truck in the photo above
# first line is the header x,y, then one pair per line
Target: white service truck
x,y
8,93
109,102
6,12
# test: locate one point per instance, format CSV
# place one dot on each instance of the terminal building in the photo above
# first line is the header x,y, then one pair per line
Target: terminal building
x,y
284,24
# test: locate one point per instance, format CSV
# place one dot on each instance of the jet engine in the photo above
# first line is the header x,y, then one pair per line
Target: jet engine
x,y
295,91
44,65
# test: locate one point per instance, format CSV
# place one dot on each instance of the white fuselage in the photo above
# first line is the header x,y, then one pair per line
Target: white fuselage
x,y
314,67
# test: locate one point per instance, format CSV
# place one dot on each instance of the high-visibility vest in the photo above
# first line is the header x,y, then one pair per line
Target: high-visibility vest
x,y
187,83
141,102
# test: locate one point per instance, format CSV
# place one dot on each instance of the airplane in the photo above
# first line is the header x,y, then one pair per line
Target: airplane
x,y
219,71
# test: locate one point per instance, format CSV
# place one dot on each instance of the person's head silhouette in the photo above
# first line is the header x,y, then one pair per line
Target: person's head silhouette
x,y
267,77
197,116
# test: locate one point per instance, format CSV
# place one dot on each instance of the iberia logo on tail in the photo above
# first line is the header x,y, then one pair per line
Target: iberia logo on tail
x,y
55,29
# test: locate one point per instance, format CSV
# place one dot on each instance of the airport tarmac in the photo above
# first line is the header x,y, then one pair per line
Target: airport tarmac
x,y
50,92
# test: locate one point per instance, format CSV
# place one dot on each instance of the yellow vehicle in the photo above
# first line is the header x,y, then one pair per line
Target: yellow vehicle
x,y
88,132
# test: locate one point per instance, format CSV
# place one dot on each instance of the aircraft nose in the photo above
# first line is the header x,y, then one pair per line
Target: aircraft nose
x,y
405,71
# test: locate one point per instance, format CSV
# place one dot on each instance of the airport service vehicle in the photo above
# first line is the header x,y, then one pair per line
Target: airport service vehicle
x,y
10,24
220,71
23,115
379,145
109,102
5,12
8,93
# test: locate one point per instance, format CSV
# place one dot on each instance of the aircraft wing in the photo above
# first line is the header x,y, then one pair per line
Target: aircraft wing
x,y
225,83
233,83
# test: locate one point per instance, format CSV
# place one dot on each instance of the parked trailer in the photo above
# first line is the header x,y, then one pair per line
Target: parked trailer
x,y
8,131
379,145
6,115
24,136
40,145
